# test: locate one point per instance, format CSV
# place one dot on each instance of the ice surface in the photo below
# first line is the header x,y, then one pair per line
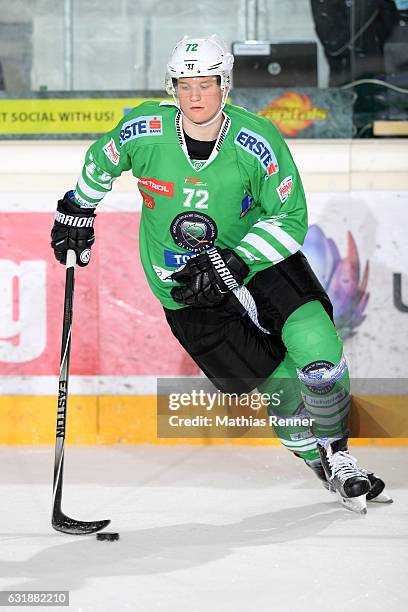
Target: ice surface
x,y
223,528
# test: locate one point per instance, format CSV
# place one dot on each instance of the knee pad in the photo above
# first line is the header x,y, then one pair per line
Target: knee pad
x,y
326,394
321,376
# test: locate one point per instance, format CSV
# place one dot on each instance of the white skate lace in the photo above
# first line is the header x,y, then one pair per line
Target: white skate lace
x,y
344,466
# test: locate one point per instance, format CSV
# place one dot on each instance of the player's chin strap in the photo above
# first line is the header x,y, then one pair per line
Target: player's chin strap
x,y
223,101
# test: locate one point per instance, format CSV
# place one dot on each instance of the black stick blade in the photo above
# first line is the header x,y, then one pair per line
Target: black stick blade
x,y
65,524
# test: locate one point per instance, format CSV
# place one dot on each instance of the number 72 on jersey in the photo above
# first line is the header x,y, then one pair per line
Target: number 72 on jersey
x,y
196,198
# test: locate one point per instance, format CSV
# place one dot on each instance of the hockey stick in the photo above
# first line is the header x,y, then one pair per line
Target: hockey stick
x,y
60,521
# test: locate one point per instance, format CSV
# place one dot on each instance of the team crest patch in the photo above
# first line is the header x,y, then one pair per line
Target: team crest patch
x,y
111,152
138,127
198,164
193,231
260,148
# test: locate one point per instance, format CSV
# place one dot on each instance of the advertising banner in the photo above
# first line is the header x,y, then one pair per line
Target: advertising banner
x,y
301,112
119,327
298,113
356,245
63,115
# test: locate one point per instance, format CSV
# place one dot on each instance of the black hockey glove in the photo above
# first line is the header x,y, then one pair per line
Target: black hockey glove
x,y
73,229
209,277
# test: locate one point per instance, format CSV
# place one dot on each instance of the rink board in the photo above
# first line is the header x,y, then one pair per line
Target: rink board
x,y
121,342
132,420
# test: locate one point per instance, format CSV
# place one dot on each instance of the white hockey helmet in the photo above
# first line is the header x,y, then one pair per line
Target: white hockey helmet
x,y
197,57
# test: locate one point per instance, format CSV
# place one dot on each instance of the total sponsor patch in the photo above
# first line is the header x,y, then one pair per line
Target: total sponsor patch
x,y
111,152
284,189
148,125
260,148
162,187
174,259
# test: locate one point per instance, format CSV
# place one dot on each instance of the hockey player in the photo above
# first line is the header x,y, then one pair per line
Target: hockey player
x,y
223,197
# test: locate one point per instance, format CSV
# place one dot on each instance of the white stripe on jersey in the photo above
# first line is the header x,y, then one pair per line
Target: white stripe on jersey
x,y
248,254
88,191
281,236
263,247
105,185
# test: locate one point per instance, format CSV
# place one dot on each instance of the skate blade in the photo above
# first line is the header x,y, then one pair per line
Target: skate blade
x,y
382,498
354,504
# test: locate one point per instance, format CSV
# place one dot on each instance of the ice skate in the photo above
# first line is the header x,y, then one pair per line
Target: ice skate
x,y
345,478
356,504
375,494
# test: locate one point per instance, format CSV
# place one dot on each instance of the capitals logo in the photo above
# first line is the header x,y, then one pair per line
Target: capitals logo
x,y
260,148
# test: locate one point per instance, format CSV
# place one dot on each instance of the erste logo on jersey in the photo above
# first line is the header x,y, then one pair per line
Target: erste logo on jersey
x,y
141,126
154,185
111,152
260,148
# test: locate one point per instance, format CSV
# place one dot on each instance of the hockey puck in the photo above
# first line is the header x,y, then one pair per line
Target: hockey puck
x,y
105,536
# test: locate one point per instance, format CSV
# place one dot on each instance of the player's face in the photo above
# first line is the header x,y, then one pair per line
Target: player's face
x,y
200,97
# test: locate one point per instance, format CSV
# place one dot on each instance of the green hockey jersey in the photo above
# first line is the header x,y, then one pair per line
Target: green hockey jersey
x,y
247,196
